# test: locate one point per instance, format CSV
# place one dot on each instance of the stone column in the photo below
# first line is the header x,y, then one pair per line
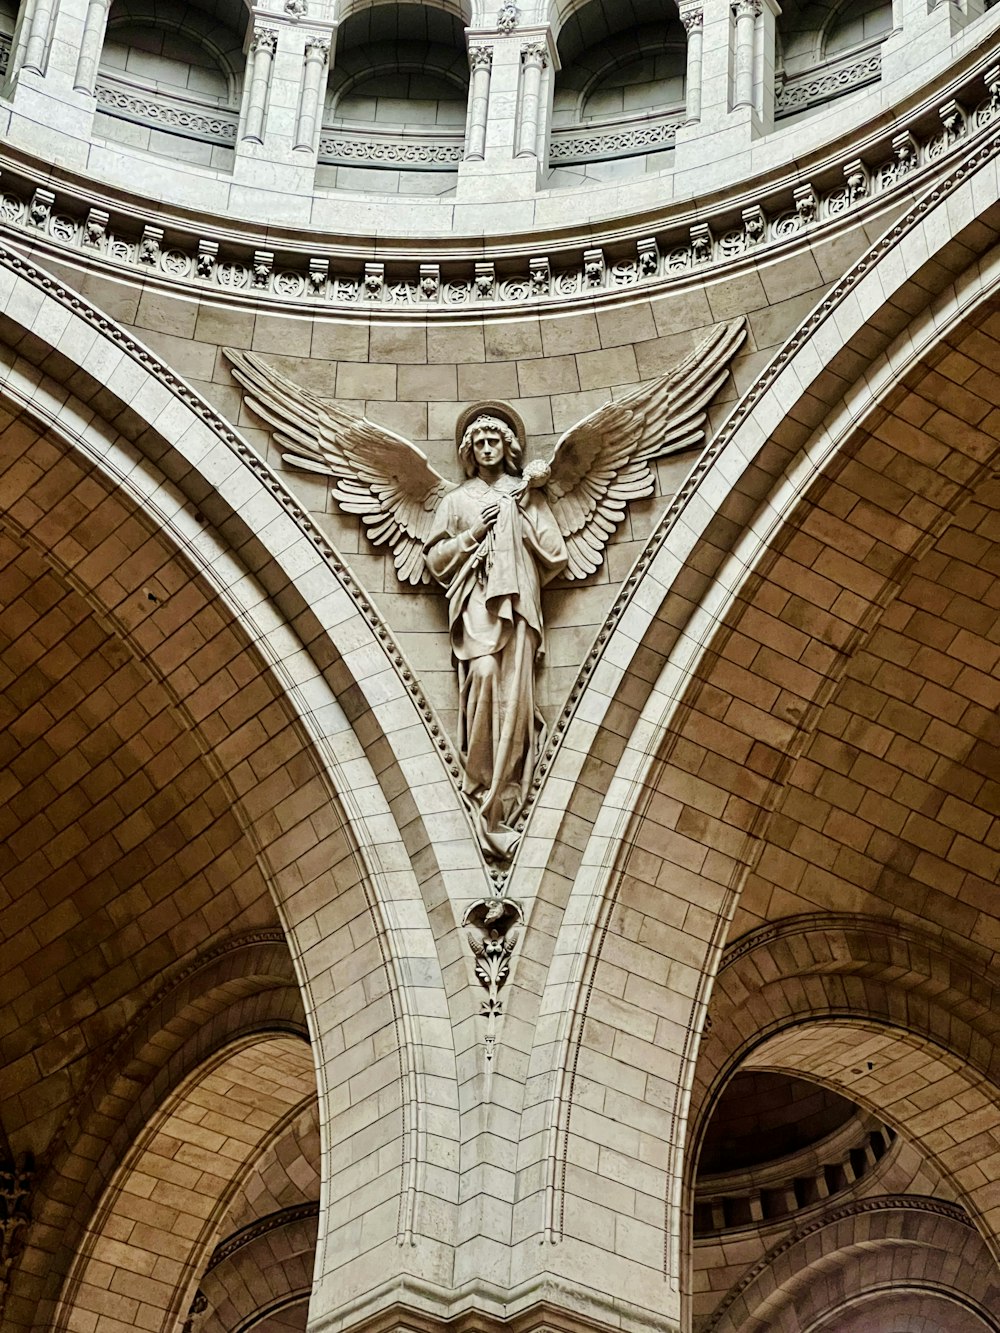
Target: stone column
x,y
38,36
745,14
263,46
534,62
694,20
480,65
91,45
317,55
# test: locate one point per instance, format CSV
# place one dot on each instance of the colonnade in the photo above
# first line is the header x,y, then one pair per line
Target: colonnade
x,y
513,59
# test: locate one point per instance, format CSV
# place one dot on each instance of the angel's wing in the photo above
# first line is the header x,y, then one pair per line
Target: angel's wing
x,y
383,478
602,462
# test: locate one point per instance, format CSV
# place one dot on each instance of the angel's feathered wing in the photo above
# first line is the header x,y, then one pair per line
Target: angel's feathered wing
x,y
383,478
602,462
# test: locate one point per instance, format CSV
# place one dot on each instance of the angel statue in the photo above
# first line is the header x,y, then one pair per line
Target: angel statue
x,y
496,539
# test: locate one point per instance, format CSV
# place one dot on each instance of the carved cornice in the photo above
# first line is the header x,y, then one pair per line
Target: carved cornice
x,y
681,245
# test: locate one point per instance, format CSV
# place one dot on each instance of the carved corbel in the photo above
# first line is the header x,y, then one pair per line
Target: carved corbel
x,y
208,253
701,242
904,146
540,273
95,226
263,263
40,207
374,280
648,251
149,244
593,268
754,225
319,273
953,120
806,203
858,180
430,281
485,280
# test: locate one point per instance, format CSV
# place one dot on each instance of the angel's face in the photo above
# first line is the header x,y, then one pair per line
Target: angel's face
x,y
487,447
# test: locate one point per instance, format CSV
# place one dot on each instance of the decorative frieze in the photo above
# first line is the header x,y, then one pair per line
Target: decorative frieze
x,y
336,281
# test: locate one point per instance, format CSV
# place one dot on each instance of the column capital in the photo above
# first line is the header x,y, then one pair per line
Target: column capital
x,y
264,39
692,17
480,57
317,48
535,51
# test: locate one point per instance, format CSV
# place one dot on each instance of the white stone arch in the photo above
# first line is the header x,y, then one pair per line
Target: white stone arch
x,y
616,861
159,448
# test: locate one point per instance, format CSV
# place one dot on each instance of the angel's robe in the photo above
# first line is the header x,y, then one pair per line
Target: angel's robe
x,y
497,637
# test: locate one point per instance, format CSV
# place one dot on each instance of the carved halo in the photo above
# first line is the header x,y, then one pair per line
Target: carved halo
x,y
491,408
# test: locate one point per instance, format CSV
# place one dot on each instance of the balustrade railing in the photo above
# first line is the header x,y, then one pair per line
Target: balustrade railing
x,y
165,111
824,82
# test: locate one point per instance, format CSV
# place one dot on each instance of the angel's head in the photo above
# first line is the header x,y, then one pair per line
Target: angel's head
x,y
488,428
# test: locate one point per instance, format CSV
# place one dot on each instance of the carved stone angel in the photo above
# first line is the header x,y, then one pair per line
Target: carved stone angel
x,y
493,541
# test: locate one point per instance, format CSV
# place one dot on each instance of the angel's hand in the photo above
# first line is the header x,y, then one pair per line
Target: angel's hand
x,y
486,521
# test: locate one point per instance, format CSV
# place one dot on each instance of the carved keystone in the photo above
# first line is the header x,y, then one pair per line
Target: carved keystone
x,y
490,929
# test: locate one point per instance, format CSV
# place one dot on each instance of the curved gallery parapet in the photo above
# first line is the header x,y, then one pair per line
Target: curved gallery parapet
x,y
289,268
295,120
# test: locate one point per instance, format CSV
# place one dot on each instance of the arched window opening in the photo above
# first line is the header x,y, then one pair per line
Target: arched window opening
x,y
396,101
169,79
620,91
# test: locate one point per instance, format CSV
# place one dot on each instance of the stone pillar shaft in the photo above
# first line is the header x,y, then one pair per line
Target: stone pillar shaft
x,y
746,13
481,62
262,49
307,122
694,24
533,64
91,43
